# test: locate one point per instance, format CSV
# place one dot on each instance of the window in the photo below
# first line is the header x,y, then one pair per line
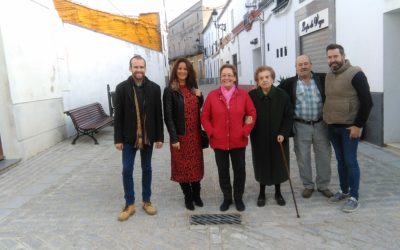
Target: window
x,y
234,60
281,52
280,4
264,3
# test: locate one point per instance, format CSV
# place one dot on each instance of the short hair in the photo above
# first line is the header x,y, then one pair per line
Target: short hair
x,y
229,66
335,46
136,57
309,58
264,68
191,81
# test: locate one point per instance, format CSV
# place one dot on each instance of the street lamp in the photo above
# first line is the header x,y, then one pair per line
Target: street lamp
x,y
221,26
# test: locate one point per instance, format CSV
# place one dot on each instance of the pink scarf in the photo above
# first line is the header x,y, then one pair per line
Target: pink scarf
x,y
228,93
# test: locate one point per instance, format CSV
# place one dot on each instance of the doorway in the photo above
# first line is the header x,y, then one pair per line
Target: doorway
x,y
1,151
256,58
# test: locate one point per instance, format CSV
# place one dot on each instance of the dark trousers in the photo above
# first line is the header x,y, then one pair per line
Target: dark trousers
x,y
237,156
128,159
346,157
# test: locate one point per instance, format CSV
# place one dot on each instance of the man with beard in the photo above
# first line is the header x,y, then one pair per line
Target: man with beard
x,y
138,125
306,91
346,110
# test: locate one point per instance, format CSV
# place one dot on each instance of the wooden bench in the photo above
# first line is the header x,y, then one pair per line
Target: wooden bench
x,y
88,120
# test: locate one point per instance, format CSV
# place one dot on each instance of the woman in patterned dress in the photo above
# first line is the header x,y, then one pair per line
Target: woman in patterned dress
x,y
182,101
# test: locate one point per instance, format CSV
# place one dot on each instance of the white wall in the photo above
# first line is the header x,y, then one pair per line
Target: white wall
x,y
7,124
246,53
391,77
391,5
95,60
31,51
48,67
280,32
365,48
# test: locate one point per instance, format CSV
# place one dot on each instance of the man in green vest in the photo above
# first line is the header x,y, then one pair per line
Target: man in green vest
x,y
346,110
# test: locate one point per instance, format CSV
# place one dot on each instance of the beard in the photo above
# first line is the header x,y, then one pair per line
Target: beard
x,y
138,76
336,65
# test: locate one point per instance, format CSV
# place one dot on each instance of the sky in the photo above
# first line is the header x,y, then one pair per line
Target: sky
x,y
133,8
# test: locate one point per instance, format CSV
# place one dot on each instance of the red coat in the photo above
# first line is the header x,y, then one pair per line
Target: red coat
x,y
225,127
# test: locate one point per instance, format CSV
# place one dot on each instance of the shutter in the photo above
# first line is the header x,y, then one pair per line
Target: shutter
x,y
314,45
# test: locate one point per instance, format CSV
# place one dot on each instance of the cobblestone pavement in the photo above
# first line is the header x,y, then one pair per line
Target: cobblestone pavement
x,y
69,196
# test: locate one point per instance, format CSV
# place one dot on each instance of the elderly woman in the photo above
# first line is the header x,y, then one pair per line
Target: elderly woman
x,y
228,116
273,126
182,101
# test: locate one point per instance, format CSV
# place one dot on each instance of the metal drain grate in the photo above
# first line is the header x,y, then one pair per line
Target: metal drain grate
x,y
215,219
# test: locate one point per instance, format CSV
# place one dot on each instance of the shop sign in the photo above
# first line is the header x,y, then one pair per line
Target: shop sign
x,y
314,22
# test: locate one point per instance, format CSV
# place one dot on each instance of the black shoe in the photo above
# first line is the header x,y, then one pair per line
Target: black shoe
x,y
189,203
225,205
198,202
326,192
279,199
261,201
240,205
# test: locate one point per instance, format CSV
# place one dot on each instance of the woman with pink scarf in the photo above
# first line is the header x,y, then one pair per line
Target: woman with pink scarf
x,y
228,117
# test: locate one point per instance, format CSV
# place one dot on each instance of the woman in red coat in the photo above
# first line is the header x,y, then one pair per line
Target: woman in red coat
x,y
182,101
228,117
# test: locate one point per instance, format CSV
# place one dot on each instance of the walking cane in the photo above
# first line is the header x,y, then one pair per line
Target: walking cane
x,y
290,181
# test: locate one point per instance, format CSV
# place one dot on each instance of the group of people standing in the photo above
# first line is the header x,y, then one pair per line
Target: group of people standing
x,y
317,109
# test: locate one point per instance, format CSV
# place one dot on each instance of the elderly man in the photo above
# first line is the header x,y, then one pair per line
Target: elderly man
x,y
306,91
347,107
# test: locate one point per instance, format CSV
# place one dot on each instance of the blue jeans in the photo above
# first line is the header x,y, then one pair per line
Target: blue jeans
x,y
346,156
128,159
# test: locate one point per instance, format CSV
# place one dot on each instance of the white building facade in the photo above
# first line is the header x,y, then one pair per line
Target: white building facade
x,y
47,67
276,32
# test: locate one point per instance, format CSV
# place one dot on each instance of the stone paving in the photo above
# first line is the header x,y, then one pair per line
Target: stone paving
x,y
69,197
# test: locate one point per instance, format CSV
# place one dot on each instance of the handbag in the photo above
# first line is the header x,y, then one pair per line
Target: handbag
x,y
204,139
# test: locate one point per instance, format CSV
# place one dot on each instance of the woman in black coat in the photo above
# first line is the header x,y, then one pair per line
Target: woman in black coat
x,y
182,101
273,125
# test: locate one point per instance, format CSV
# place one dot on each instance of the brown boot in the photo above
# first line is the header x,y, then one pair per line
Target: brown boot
x,y
149,209
127,212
